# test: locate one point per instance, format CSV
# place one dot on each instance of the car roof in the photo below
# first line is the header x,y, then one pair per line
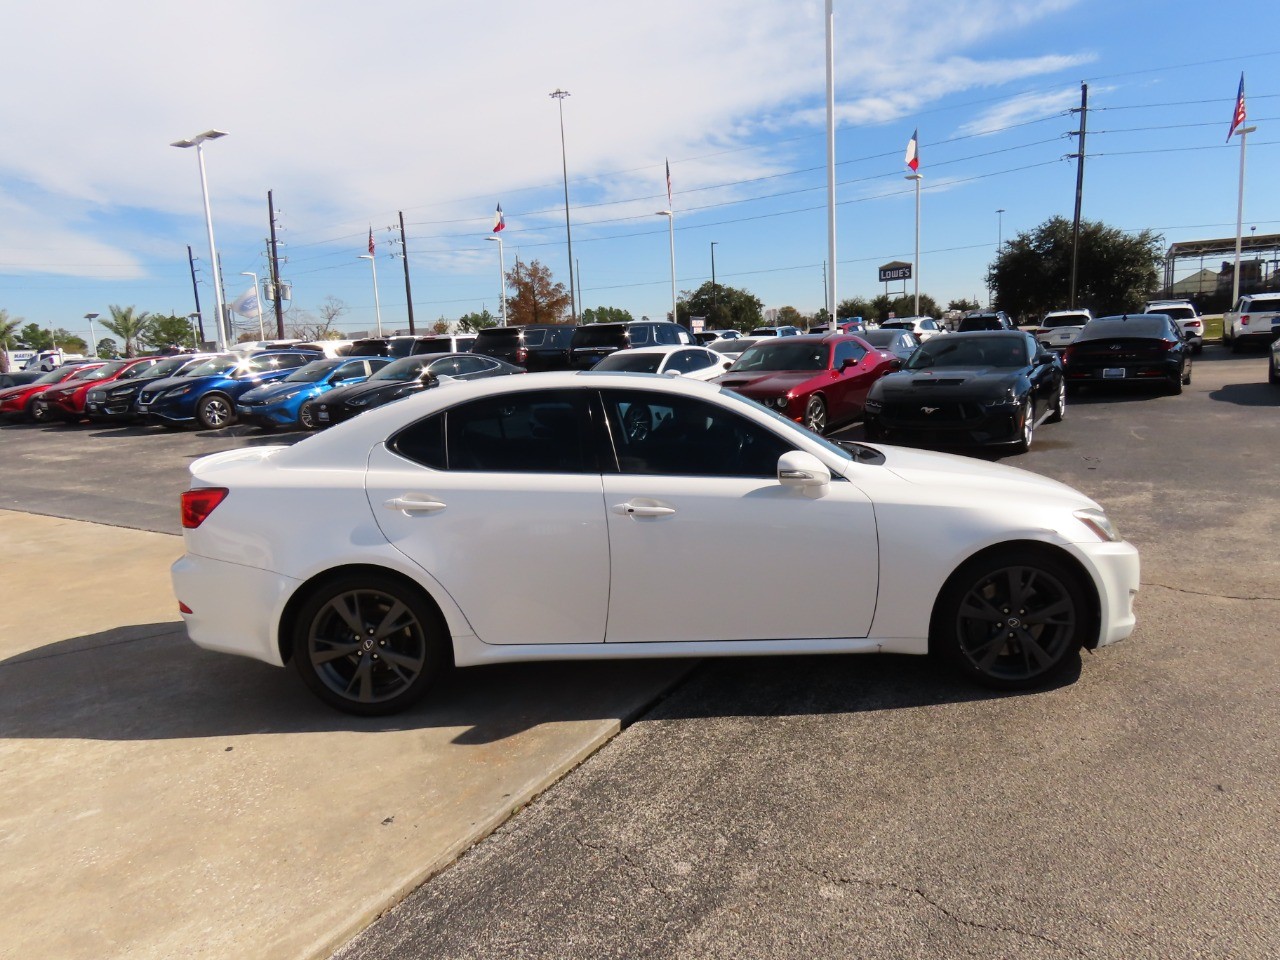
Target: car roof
x,y
666,348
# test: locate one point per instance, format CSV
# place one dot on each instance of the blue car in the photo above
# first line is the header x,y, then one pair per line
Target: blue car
x,y
207,394
285,403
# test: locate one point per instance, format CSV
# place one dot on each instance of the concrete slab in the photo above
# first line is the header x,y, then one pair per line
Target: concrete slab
x,y
158,801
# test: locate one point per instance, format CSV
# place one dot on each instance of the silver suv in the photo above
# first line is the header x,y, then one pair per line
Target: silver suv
x,y
1185,314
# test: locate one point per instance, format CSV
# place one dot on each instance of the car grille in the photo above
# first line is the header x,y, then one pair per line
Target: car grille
x,y
938,414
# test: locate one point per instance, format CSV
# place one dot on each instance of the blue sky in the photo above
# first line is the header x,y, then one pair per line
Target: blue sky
x,y
441,110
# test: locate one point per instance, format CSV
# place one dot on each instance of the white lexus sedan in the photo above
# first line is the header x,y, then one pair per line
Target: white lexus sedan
x,y
623,514
700,363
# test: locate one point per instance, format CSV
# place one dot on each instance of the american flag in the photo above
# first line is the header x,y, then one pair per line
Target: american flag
x,y
668,182
371,239
1238,117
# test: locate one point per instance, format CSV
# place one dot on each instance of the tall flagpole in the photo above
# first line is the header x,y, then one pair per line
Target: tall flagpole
x,y
916,273
1235,274
832,303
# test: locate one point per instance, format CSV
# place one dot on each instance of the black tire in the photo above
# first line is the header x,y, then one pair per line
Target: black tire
x,y
369,644
1023,443
1273,376
38,411
1175,384
307,416
215,411
1197,348
815,415
1059,411
1012,619
1236,345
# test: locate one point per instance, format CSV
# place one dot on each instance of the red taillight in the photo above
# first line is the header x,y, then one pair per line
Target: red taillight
x,y
1168,344
1066,354
1193,324
183,608
522,354
1244,321
197,504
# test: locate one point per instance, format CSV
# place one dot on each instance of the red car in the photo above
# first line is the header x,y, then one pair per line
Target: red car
x,y
65,401
816,380
20,402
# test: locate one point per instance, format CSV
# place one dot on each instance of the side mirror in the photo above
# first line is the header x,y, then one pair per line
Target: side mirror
x,y
803,471
848,362
673,373
728,364
896,363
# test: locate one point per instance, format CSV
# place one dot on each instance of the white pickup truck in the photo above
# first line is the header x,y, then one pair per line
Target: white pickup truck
x,y
1256,320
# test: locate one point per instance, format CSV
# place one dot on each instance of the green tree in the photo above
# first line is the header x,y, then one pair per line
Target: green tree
x,y
440,326
534,296
790,317
130,326
36,337
475,322
606,315
905,306
171,329
107,348
854,307
8,337
68,341
963,305
724,307
1116,270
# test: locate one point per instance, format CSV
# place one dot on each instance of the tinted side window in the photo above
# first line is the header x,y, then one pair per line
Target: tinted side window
x,y
664,435
534,432
422,442
847,351
641,336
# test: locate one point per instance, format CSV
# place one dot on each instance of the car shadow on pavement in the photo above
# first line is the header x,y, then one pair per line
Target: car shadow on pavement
x,y
149,682
1248,394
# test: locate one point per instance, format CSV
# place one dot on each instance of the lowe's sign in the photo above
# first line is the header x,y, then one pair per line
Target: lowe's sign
x,y
897,270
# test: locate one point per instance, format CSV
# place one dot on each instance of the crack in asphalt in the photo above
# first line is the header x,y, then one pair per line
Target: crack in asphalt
x,y
949,914
1203,593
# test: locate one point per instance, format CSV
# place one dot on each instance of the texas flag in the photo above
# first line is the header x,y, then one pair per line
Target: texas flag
x,y
1237,118
912,158
499,221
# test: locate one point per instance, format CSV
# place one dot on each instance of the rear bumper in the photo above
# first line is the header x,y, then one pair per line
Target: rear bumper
x,y
234,608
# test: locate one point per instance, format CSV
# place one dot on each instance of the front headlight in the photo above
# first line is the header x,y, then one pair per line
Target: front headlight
x,y
117,392
358,402
778,402
179,391
1098,523
283,395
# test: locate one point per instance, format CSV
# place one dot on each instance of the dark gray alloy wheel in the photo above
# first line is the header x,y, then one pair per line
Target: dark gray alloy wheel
x,y
368,644
637,421
307,415
815,415
1011,620
1059,404
215,411
38,410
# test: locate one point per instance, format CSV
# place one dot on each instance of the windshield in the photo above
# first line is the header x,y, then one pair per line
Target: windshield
x,y
215,366
168,367
313,372
632,362
53,376
403,370
782,355
979,351
106,370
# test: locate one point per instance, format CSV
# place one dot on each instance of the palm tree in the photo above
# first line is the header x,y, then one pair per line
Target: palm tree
x,y
8,327
129,326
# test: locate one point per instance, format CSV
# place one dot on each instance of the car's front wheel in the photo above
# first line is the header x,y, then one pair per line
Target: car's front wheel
x,y
1011,619
1028,417
368,644
215,412
815,415
307,415
1059,411
38,411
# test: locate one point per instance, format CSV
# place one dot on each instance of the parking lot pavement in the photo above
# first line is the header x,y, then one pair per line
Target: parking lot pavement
x,y
158,801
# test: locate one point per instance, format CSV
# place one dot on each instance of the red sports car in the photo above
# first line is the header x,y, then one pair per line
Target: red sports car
x,y
19,402
65,401
818,381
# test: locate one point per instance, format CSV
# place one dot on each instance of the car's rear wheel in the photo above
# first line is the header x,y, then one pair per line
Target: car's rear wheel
x,y
368,644
1273,375
215,412
815,415
1011,619
1175,384
307,415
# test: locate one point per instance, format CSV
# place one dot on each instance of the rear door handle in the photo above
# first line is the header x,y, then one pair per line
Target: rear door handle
x,y
410,504
633,509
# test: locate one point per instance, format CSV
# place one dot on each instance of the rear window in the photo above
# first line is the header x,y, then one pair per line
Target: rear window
x,y
1178,313
599,336
1076,320
1150,325
980,323
498,337
435,346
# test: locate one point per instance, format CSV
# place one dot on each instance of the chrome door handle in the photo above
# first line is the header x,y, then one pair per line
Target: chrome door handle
x,y
643,510
412,505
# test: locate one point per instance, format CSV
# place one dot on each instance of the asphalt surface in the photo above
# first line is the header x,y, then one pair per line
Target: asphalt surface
x,y
871,806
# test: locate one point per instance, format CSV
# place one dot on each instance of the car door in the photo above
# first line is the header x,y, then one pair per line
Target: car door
x,y
851,383
706,544
511,521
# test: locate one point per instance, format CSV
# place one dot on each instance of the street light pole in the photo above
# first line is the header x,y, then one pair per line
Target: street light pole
x,y
713,278
197,141
502,276
671,230
559,95
999,229
93,337
831,162
377,307
917,177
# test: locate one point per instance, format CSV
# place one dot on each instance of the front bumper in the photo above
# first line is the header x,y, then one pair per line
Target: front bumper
x,y
1115,569
269,415
950,424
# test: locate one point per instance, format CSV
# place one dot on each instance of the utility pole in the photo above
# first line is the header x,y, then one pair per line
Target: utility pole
x,y
275,269
408,291
196,290
1075,227
577,265
224,322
